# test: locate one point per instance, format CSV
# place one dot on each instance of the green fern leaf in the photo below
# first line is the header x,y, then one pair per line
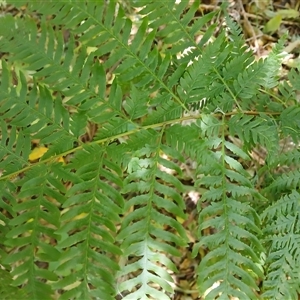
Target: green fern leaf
x,y
142,234
290,122
253,130
7,290
235,224
88,227
126,94
37,215
283,240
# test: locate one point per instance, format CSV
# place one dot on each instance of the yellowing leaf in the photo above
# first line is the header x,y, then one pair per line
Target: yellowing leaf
x,y
288,13
273,24
61,159
80,216
37,153
89,50
180,220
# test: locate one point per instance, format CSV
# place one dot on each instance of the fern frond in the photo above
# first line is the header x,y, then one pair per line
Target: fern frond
x,y
143,233
14,149
186,139
234,222
182,26
293,78
289,158
284,183
37,216
140,65
33,115
290,123
88,227
282,238
253,130
272,65
7,290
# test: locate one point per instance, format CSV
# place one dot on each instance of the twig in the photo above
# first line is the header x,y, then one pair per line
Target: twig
x,y
243,12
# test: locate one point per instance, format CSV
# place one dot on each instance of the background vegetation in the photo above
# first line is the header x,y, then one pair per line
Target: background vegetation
x,y
149,150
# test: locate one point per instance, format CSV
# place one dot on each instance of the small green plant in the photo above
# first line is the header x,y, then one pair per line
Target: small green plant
x,y
105,90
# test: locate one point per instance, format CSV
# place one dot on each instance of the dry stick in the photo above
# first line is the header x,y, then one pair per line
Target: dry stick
x,y
248,24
